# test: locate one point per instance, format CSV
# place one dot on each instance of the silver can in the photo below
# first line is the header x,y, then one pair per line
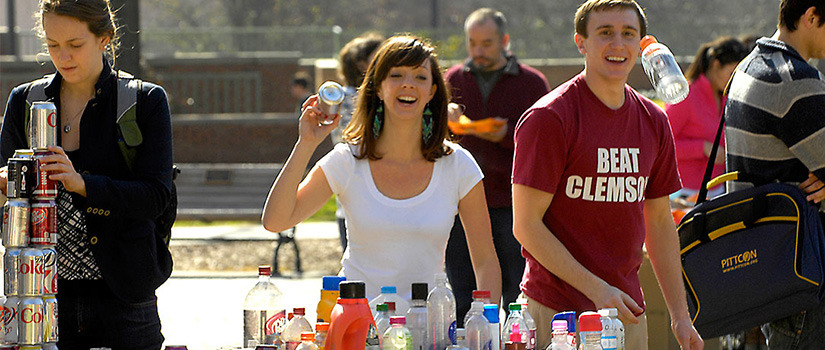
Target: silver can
x,y
330,97
48,346
35,347
30,274
50,319
49,271
11,266
43,125
30,321
16,222
10,314
20,178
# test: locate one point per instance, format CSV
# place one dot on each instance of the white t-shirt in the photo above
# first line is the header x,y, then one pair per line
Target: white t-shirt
x,y
394,242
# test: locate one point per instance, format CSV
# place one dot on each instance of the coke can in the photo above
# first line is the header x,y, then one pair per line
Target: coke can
x,y
50,319
49,271
43,224
30,321
10,315
45,187
20,177
31,272
330,97
16,222
43,125
11,265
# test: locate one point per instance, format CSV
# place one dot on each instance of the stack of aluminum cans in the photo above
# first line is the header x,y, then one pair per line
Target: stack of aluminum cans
x,y
29,235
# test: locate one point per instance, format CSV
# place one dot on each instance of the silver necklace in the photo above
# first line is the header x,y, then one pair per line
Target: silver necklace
x,y
68,127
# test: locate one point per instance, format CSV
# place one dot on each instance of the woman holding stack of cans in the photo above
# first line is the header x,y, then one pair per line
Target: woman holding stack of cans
x,y
110,259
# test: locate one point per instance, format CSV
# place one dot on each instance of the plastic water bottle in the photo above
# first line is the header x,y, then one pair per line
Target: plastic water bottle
x,y
491,314
609,341
441,314
663,72
590,331
531,325
478,295
417,315
382,318
616,326
398,337
298,325
515,322
321,330
478,329
264,316
307,342
389,294
460,340
559,340
515,341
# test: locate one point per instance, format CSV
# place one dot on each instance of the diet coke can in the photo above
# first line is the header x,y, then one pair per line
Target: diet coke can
x,y
45,188
43,125
49,271
11,265
10,315
16,222
30,321
31,272
20,178
43,224
50,319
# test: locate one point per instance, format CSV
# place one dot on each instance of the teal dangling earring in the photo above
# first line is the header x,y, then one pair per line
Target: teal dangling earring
x,y
377,120
427,124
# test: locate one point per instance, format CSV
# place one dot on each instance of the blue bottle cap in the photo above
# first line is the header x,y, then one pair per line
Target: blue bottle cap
x,y
491,313
388,290
331,282
570,317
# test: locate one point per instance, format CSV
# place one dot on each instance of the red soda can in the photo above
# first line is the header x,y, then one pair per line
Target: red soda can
x,y
30,321
31,272
45,187
20,177
10,316
49,270
43,125
50,319
11,266
16,222
43,224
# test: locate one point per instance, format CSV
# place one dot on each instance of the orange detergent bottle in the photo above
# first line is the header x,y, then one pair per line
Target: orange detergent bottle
x,y
351,324
329,296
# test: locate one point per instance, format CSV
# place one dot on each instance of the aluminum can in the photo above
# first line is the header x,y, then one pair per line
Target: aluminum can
x,y
8,347
34,347
30,274
23,153
50,319
48,346
45,187
30,321
43,125
10,316
11,266
43,222
330,97
49,270
20,178
16,222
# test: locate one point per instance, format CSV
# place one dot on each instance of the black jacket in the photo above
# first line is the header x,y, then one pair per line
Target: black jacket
x,y
119,205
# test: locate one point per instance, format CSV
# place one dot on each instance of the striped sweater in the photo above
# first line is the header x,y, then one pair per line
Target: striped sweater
x,y
775,117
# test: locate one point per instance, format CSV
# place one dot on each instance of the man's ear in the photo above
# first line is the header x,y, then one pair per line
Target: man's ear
x,y
579,39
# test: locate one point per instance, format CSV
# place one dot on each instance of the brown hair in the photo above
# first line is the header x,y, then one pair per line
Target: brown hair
x,y
355,51
583,12
791,10
725,49
398,51
97,14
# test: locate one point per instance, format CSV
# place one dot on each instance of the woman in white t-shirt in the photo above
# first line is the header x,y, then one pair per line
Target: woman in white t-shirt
x,y
399,180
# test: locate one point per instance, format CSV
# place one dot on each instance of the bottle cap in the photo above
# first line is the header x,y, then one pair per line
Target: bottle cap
x,y
647,40
481,294
515,307
299,311
559,326
491,313
307,336
264,270
420,291
331,282
382,307
388,290
590,322
353,290
390,305
570,317
398,320
609,312
322,327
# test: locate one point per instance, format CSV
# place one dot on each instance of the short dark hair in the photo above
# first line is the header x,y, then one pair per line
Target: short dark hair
x,y
791,10
482,15
97,14
725,49
583,12
302,79
355,51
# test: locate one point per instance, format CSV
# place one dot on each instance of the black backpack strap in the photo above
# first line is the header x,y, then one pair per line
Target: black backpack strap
x,y
129,135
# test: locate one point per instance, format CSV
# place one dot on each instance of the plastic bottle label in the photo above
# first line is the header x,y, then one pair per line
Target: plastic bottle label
x,y
451,332
609,342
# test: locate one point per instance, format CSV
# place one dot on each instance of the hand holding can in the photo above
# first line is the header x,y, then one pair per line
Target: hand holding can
x,y
330,97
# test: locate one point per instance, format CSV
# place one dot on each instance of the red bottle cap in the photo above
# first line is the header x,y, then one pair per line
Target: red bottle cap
x,y
647,40
264,270
481,294
390,305
398,320
590,322
299,311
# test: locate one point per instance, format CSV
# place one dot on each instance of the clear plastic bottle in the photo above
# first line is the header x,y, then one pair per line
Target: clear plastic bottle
x,y
559,340
298,325
398,337
663,71
264,316
570,317
478,295
515,318
478,329
321,330
389,293
530,323
491,314
441,314
460,340
307,342
417,315
382,318
590,331
610,319
515,340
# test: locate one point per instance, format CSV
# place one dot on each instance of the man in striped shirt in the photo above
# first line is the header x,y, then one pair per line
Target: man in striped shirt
x,y
775,131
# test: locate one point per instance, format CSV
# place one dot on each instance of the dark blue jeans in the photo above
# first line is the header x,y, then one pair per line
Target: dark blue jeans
x,y
460,270
805,330
91,316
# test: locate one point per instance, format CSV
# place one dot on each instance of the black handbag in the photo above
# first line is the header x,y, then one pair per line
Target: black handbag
x,y
750,256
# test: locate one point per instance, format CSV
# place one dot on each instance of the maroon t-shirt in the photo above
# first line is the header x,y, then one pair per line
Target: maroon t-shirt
x,y
600,164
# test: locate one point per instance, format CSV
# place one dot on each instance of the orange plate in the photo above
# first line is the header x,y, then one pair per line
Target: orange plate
x,y
483,125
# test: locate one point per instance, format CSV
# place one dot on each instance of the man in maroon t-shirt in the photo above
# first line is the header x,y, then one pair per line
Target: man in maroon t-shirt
x,y
593,167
